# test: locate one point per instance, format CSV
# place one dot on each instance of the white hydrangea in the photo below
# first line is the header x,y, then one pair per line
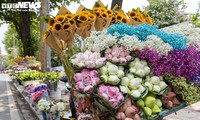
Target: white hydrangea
x,y
158,44
99,40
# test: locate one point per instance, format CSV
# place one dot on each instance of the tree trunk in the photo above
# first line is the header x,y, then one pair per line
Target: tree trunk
x,y
25,34
43,26
118,2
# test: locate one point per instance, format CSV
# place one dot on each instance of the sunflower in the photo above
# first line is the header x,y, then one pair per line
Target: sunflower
x,y
60,18
110,13
96,9
51,21
85,12
98,14
149,19
57,26
44,37
71,22
113,19
125,20
117,13
104,15
118,17
68,16
132,13
82,18
66,26
102,9
92,17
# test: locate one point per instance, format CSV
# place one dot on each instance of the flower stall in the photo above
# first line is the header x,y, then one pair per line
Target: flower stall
x,y
123,70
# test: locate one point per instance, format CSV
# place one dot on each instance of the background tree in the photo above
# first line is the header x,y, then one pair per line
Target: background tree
x,y
195,18
167,12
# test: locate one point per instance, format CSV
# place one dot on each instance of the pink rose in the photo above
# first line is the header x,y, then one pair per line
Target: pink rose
x,y
105,96
100,61
115,59
90,64
85,72
87,80
112,91
88,89
93,73
128,57
80,64
102,89
78,77
115,51
95,80
108,51
79,85
108,56
123,52
120,97
114,101
122,60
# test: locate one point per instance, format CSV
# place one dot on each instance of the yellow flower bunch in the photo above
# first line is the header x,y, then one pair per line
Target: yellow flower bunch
x,y
60,22
102,12
83,17
17,59
119,17
140,16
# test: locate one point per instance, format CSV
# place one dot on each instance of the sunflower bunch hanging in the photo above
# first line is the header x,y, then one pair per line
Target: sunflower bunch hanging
x,y
104,17
119,17
138,17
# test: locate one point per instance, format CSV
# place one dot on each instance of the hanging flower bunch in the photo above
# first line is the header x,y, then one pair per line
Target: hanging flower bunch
x,y
139,16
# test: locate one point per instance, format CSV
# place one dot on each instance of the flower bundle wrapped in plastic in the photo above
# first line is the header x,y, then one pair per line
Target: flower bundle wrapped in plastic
x,y
44,105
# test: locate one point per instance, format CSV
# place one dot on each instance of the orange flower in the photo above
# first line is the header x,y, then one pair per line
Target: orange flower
x,y
51,21
104,15
125,20
96,9
92,17
82,18
68,16
110,13
118,17
132,13
98,14
71,22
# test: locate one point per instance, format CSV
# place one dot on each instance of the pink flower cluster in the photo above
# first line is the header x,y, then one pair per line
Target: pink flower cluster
x,y
111,94
117,55
86,80
36,95
88,59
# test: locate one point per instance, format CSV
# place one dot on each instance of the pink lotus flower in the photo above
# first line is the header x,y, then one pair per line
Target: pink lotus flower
x,y
95,80
79,85
108,56
102,89
88,89
114,101
120,116
78,77
123,52
112,91
128,57
93,73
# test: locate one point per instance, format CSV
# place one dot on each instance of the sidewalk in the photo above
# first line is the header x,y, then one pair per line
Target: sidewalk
x,y
8,108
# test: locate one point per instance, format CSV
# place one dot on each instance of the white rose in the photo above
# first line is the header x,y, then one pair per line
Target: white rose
x,y
135,93
104,70
112,69
155,80
156,88
120,73
163,85
104,77
113,80
141,89
124,89
130,76
125,81
147,70
148,84
140,72
134,84
121,68
132,70
138,65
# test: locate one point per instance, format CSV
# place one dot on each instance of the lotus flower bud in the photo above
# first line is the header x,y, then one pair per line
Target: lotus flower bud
x,y
122,60
156,88
136,117
125,81
104,77
138,65
132,64
123,108
140,72
141,89
121,68
131,111
132,70
108,50
155,80
147,70
128,57
143,62
120,116
115,59
128,118
128,102
169,104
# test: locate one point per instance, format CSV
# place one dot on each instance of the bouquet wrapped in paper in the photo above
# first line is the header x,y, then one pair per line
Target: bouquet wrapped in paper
x,y
136,17
103,16
85,21
119,17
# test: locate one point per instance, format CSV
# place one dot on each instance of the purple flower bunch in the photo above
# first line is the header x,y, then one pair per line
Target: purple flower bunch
x,y
111,94
41,87
196,78
30,88
184,63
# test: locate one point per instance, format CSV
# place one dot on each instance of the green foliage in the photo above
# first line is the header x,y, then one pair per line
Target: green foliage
x,y
30,75
51,76
195,18
167,12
